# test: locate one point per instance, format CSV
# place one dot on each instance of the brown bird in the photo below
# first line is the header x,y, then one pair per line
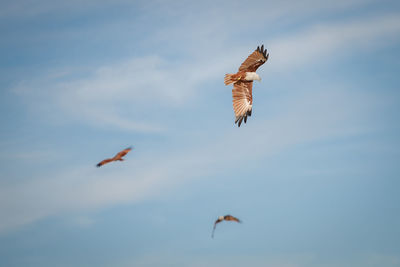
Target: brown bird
x,y
243,84
116,157
224,218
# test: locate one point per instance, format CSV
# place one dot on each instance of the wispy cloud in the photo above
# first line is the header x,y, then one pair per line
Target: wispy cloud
x,y
129,89
73,190
121,94
307,117
335,39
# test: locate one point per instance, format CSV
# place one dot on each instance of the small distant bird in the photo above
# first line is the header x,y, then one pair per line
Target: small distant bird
x,y
224,218
116,157
243,84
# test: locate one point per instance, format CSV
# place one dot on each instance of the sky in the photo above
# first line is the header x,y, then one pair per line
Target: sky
x,y
313,175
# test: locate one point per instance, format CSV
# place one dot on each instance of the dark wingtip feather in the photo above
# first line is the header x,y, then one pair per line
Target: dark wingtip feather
x,y
263,51
240,121
242,118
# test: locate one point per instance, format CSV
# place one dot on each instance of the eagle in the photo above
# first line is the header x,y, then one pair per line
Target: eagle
x,y
224,218
243,83
116,157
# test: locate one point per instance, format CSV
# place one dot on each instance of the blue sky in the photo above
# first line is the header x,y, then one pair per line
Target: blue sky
x,y
314,173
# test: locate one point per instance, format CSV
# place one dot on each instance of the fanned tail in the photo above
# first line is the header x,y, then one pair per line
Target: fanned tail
x,y
229,78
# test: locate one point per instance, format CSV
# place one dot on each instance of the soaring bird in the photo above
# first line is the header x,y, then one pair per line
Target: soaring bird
x,y
116,157
243,83
224,218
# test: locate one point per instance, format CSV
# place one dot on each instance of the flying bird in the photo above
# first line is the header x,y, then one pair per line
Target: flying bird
x,y
116,157
224,218
243,83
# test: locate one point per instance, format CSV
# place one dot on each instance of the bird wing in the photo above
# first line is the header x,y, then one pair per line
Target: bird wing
x,y
231,218
123,153
242,101
215,225
101,163
255,60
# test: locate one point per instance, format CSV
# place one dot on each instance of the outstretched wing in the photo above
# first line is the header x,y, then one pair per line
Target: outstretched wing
x,y
242,101
231,218
123,152
255,60
101,163
215,225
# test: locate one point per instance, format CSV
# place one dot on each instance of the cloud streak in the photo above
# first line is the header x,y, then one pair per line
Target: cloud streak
x,y
120,94
338,39
303,119
125,93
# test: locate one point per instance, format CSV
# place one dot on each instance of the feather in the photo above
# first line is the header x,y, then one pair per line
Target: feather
x,y
240,121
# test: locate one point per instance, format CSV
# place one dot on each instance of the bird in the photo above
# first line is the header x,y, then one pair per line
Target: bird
x,y
116,157
243,83
224,218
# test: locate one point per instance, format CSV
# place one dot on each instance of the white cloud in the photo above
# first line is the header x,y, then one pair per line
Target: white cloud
x,y
120,94
73,190
129,89
308,117
123,94
337,39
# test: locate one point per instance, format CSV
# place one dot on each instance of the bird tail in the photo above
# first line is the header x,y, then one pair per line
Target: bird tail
x,y
229,78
